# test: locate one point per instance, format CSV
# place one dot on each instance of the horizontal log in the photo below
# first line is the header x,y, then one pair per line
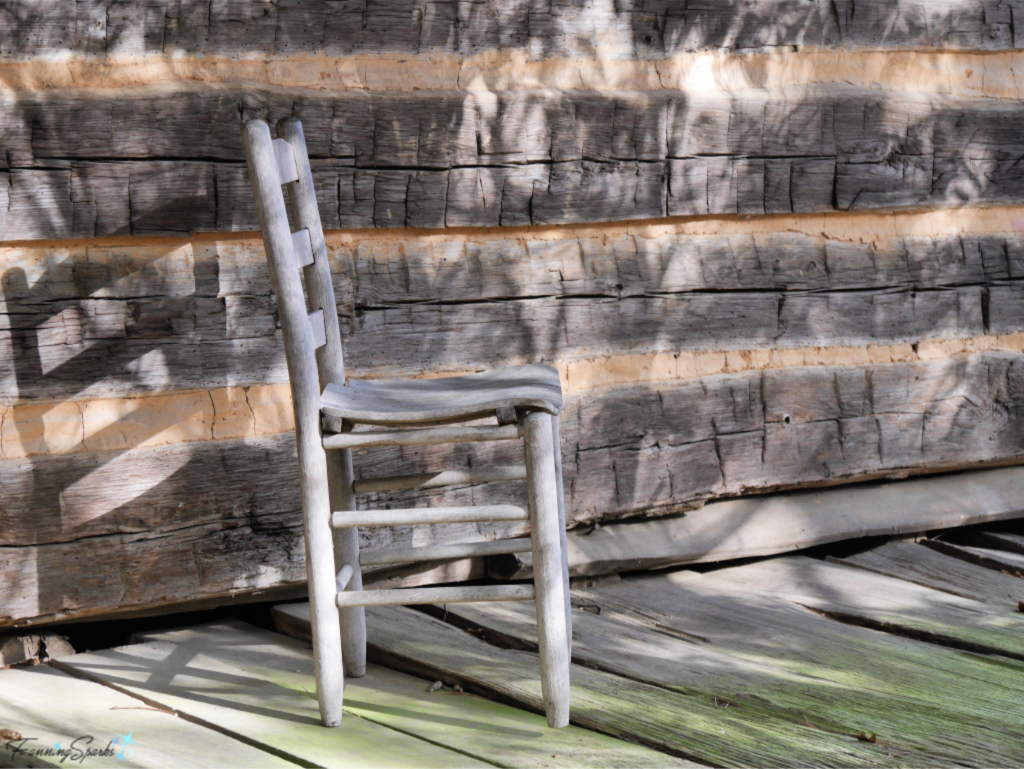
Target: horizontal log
x,y
421,595
112,322
443,159
102,532
760,526
104,28
640,448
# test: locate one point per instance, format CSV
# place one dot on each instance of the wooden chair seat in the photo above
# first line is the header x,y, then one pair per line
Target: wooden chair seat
x,y
449,399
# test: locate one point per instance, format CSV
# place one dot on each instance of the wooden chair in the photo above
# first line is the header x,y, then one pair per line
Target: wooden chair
x,y
525,400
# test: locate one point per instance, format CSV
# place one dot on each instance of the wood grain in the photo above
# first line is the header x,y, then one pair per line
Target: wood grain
x,y
271,671
924,566
657,643
115,322
437,159
626,451
767,525
102,28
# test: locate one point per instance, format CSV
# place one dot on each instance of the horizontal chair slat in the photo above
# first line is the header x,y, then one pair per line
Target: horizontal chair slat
x,y
303,247
443,552
439,480
287,171
317,329
426,437
436,595
425,515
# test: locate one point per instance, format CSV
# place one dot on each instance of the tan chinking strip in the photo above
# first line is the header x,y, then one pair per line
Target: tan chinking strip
x,y
841,226
118,424
997,75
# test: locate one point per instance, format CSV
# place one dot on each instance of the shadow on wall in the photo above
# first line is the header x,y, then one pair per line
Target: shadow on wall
x,y
478,158
475,158
540,28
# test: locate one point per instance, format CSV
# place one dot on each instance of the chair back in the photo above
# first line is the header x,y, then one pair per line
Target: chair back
x,y
309,320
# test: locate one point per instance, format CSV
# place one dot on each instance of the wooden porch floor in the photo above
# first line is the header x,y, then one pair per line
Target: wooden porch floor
x,y
906,655
900,656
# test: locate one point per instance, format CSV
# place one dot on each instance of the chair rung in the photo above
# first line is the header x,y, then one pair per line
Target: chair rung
x,y
344,576
427,436
416,516
443,552
438,480
414,595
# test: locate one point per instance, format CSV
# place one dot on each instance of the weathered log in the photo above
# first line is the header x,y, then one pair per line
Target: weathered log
x,y
444,159
102,532
767,525
116,322
556,28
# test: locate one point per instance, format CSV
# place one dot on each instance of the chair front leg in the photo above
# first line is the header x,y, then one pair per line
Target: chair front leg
x,y
547,566
557,440
323,608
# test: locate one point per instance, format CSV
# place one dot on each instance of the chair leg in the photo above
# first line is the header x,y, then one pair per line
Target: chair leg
x,y
323,611
346,551
556,439
547,566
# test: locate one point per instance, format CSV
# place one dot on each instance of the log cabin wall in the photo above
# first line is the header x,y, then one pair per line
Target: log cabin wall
x,y
767,245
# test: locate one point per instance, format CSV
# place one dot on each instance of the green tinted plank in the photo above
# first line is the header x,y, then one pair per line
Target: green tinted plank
x,y
637,640
667,720
279,712
51,708
477,727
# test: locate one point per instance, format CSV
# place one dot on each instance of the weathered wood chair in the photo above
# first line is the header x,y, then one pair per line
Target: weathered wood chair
x,y
525,400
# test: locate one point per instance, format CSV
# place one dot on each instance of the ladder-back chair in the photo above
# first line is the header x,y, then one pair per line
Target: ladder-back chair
x,y
525,400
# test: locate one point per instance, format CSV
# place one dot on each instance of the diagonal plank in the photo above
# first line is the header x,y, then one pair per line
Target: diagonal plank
x,y
995,540
51,707
931,568
652,715
648,648
478,730
1000,560
862,597
778,633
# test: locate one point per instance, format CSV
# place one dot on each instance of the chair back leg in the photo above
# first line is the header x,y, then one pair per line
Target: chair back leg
x,y
346,553
542,490
557,451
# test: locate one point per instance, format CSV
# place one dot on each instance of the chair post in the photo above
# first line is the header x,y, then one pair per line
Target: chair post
x,y
550,590
331,367
556,439
346,553
302,374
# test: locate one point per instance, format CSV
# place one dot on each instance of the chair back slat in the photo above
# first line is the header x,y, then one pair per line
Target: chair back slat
x,y
330,357
316,328
303,247
286,169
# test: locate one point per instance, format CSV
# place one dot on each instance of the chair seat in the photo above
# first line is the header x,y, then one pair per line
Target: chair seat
x,y
450,399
